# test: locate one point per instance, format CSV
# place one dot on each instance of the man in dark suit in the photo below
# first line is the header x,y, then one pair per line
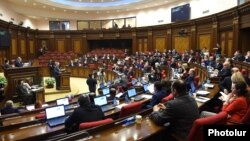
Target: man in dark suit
x,y
158,95
218,64
225,71
86,112
56,74
181,112
7,64
18,62
91,82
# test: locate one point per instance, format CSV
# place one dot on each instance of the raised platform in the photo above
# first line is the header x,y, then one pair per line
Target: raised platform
x,y
49,91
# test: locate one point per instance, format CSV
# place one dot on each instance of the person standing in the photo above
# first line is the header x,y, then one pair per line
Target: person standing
x,y
56,74
91,82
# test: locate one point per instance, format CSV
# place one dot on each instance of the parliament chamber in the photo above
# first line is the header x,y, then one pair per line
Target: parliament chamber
x,y
142,52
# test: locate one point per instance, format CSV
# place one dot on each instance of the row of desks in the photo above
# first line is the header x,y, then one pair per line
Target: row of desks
x,y
117,132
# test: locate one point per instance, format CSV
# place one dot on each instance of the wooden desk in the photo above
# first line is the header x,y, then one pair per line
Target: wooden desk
x,y
39,93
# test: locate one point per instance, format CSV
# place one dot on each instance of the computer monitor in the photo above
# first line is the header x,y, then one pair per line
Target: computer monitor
x,y
131,93
62,101
54,112
145,87
101,100
105,91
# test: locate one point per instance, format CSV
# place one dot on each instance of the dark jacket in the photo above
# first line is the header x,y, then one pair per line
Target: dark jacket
x,y
9,110
226,83
83,114
224,73
92,84
218,66
18,63
181,112
157,97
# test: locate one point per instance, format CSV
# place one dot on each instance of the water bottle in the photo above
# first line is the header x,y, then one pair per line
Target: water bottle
x,y
190,92
203,86
114,102
126,99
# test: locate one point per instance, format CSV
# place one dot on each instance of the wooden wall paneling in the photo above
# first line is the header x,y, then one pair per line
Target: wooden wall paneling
x,y
23,47
60,45
169,39
235,36
230,47
204,40
68,43
160,43
244,21
14,47
181,43
134,42
77,44
215,39
32,47
140,45
85,46
145,45
193,37
223,43
150,41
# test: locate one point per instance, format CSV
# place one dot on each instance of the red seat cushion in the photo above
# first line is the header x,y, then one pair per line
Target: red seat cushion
x,y
86,125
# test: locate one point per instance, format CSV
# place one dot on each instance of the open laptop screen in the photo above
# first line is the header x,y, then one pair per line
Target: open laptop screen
x,y
145,87
62,101
54,112
102,100
131,92
105,91
151,88
30,107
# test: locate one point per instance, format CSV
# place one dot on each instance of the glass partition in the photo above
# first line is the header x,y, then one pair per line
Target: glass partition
x,y
82,25
129,22
119,23
95,25
107,24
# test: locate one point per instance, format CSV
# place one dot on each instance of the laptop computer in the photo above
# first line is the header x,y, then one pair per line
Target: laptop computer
x,y
55,115
103,103
106,92
64,101
30,107
132,93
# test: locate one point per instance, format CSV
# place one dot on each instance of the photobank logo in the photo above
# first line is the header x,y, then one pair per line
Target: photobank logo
x,y
241,132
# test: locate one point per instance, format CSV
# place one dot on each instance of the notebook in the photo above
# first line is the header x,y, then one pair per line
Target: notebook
x,y
63,101
132,93
103,103
55,115
106,92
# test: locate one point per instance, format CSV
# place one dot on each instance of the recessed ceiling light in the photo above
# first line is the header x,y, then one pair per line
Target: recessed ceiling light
x,y
34,4
25,0
44,6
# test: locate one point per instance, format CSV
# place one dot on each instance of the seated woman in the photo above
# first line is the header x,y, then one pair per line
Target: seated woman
x,y
9,109
235,103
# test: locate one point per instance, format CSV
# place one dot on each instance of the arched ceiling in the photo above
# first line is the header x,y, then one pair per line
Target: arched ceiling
x,y
47,8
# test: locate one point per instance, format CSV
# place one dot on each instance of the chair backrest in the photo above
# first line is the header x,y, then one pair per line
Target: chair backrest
x,y
196,81
91,124
196,132
167,98
130,109
246,118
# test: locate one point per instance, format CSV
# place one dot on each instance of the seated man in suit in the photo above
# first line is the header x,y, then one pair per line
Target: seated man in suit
x,y
18,62
7,64
158,95
181,112
24,92
225,71
86,112
9,109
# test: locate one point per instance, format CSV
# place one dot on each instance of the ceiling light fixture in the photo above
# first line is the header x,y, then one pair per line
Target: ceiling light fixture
x,y
34,4
44,6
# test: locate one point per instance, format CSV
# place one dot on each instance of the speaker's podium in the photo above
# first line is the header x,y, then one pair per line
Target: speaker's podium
x,y
31,73
64,83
